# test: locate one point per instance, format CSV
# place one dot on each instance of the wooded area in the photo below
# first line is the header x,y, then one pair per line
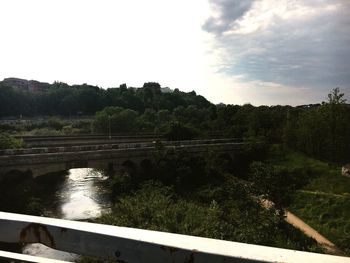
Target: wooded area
x,y
319,130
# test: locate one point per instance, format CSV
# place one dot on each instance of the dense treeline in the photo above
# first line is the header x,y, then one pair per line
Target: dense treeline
x,y
320,130
65,100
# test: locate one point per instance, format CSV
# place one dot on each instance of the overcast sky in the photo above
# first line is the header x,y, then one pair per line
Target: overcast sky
x,y
249,51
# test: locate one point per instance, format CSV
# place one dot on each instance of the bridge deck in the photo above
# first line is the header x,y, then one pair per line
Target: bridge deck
x,y
109,145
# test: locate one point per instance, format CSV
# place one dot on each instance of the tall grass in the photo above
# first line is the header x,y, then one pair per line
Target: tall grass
x,y
323,201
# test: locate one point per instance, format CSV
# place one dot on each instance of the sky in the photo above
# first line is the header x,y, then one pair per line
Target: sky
x,y
263,52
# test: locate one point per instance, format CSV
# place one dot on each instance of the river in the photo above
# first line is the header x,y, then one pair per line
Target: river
x,y
81,196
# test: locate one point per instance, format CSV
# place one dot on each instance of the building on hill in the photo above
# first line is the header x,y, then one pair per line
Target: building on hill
x,y
166,90
16,83
26,85
35,86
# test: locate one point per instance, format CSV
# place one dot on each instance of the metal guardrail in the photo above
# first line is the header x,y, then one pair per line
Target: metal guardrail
x,y
58,141
123,145
137,245
89,136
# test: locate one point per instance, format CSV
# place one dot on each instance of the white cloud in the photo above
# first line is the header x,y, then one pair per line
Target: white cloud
x,y
270,13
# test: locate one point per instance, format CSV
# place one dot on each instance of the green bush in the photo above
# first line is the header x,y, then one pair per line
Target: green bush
x,y
177,131
10,142
55,123
44,132
227,213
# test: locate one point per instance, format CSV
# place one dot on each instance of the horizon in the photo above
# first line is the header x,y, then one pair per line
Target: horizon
x,y
166,87
234,52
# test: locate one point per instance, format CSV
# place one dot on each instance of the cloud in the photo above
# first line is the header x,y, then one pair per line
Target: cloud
x,y
225,14
298,44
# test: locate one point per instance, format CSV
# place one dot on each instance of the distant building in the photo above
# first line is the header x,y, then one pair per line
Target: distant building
x,y
23,84
166,90
35,86
221,105
309,105
16,83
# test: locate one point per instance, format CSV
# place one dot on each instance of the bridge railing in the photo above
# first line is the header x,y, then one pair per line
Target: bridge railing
x,y
137,245
42,150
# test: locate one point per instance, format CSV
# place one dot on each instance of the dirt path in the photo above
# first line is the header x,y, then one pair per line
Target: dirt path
x,y
322,193
309,231
295,221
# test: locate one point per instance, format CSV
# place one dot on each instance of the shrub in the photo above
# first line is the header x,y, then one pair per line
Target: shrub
x,y
10,142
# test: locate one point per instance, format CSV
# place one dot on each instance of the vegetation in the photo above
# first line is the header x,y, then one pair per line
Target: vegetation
x,y
62,99
216,212
319,130
10,142
200,195
20,193
53,126
328,213
323,131
322,199
292,158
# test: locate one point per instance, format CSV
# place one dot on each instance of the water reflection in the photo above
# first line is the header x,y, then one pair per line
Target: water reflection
x,y
81,196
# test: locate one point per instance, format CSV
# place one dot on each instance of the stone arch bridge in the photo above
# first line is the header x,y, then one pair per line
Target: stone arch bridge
x,y
43,160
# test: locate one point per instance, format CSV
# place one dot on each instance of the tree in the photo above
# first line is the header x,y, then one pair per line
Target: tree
x,y
119,119
178,131
323,131
335,97
335,113
271,184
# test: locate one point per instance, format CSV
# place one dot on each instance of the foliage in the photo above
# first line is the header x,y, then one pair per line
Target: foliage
x,y
115,120
227,214
328,213
320,130
27,195
322,194
178,132
198,195
65,100
323,131
44,132
202,195
55,123
272,183
335,97
10,142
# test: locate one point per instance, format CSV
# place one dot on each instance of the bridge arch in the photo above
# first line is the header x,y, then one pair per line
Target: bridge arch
x,y
146,168
226,161
129,167
51,159
16,174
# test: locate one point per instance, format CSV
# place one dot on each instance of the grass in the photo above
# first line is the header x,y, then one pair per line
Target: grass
x,y
329,215
323,201
331,182
320,176
295,160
